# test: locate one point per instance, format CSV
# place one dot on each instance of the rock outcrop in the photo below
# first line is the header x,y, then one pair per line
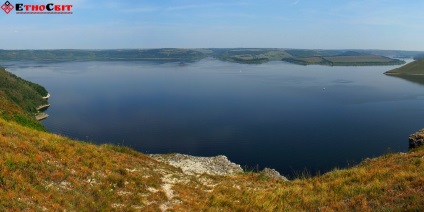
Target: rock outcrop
x,y
416,139
218,165
272,173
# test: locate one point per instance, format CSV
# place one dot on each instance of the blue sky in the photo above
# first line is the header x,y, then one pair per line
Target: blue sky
x,y
310,24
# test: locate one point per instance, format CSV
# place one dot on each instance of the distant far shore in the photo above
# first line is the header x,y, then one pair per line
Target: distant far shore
x,y
357,57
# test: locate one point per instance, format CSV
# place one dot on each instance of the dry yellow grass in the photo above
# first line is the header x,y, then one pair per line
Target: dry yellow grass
x,y
390,182
40,170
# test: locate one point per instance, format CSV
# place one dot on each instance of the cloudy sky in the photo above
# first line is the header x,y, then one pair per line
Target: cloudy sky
x,y
310,24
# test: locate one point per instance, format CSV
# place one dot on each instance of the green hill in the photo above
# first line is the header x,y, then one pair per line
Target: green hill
x,y
237,55
413,68
304,57
165,54
41,171
338,58
20,99
249,56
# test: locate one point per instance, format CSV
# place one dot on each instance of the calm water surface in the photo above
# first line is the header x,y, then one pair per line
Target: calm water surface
x,y
277,115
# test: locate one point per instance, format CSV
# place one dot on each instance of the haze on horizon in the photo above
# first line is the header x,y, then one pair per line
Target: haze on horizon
x,y
309,24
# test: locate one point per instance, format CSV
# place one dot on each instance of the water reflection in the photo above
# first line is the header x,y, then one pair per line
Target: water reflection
x,y
418,79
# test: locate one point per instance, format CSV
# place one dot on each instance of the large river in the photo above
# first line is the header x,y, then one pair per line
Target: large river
x,y
279,115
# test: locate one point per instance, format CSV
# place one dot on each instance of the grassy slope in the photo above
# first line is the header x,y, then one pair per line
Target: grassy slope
x,y
26,94
19,99
43,170
413,68
390,182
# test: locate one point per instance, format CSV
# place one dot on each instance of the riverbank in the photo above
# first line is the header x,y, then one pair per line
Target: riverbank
x,y
59,173
41,116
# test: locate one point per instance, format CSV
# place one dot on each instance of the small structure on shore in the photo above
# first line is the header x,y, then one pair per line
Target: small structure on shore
x,y
43,107
46,97
40,116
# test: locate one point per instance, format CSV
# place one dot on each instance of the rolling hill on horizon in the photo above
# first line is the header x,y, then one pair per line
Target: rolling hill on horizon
x,y
413,68
237,55
412,72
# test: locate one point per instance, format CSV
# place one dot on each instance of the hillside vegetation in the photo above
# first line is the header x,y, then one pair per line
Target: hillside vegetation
x,y
42,171
237,55
250,56
304,57
20,99
413,72
413,68
100,55
338,58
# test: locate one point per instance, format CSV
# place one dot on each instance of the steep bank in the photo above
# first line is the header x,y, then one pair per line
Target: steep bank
x,y
40,171
21,100
416,140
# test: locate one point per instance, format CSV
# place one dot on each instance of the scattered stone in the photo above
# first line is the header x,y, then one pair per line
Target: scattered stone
x,y
124,193
116,205
416,139
91,181
153,190
167,188
65,185
272,173
131,170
